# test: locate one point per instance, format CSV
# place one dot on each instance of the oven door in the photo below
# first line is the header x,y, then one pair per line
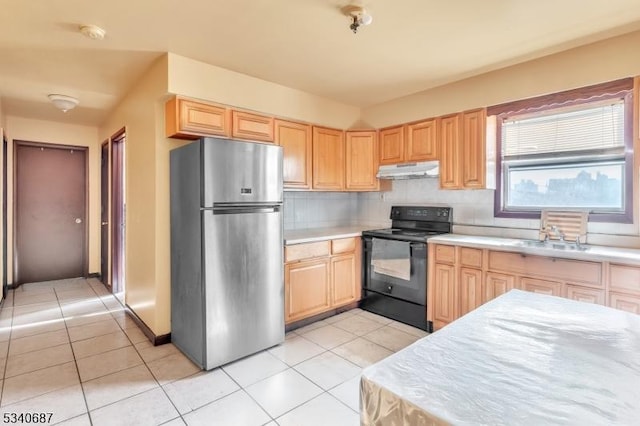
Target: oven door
x,y
396,268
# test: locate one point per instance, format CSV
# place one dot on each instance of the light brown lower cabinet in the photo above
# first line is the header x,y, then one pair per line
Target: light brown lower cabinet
x,y
625,302
445,302
497,284
463,278
536,285
343,275
585,294
321,276
307,290
470,290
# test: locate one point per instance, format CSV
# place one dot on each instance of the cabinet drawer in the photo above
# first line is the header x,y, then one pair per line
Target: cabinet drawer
x,y
446,254
343,245
306,251
252,126
625,278
588,273
471,257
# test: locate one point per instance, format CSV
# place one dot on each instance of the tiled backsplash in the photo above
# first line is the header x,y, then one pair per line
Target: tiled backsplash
x,y
319,209
472,212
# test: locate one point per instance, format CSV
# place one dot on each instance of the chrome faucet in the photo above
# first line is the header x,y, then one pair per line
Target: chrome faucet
x,y
558,232
578,243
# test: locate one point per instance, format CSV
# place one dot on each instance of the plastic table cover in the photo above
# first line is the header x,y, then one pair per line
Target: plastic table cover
x,y
520,359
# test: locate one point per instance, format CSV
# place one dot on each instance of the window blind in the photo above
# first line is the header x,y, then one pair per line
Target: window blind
x,y
599,127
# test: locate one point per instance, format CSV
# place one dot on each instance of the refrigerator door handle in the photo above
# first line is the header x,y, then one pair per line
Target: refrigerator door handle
x,y
246,209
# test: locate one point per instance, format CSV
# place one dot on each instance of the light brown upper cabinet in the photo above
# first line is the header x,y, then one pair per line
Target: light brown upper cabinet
x,y
328,159
392,145
450,152
421,142
409,143
295,140
187,119
473,149
462,150
253,127
361,160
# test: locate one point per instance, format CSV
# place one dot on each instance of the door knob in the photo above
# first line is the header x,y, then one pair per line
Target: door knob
x,y
78,220
105,223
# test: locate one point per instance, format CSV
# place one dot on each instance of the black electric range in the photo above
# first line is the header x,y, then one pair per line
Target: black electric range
x,y
395,263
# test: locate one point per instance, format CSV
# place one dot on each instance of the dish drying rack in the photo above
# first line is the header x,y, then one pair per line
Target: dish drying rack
x,y
563,225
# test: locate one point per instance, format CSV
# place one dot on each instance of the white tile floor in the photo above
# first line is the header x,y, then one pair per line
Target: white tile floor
x,y
68,348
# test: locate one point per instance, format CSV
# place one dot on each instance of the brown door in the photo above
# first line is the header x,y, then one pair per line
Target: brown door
x,y
104,214
50,220
117,212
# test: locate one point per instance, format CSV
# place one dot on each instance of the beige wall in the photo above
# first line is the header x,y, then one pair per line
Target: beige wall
x,y
146,292
199,80
595,63
25,129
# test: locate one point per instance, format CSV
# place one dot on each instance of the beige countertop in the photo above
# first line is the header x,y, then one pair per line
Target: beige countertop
x,y
299,236
593,252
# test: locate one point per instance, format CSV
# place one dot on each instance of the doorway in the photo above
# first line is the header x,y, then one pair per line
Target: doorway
x,y
118,211
4,217
104,214
50,231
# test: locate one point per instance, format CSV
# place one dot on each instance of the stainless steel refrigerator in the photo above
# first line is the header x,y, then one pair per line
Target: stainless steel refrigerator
x,y
227,279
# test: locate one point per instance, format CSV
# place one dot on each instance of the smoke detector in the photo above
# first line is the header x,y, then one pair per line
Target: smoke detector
x,y
93,32
359,17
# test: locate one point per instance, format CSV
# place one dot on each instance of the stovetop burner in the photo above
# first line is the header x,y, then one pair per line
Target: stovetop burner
x,y
415,223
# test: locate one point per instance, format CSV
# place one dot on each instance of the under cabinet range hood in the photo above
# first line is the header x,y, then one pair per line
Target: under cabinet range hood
x,y
426,169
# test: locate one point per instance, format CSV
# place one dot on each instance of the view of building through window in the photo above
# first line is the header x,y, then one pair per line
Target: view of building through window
x,y
578,186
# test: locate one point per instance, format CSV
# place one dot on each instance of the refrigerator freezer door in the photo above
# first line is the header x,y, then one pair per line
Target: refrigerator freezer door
x,y
244,282
241,172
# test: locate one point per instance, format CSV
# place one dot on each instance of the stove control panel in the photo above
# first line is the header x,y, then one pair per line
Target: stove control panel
x,y
422,213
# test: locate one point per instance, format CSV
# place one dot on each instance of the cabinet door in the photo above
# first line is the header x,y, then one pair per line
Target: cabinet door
x,y
470,291
295,140
450,152
444,295
535,285
497,284
473,149
306,289
392,145
328,159
361,160
422,141
189,119
625,302
253,127
344,287
585,294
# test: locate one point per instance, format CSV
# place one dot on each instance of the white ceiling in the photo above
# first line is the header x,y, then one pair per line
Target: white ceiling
x,y
412,45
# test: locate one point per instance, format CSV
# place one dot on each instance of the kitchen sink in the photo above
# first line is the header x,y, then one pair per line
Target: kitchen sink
x,y
552,245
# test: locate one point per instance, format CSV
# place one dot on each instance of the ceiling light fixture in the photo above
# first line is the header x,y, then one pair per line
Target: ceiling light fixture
x,y
359,17
62,102
93,32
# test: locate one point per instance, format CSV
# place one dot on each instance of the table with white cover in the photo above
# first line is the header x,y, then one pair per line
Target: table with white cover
x,y
520,359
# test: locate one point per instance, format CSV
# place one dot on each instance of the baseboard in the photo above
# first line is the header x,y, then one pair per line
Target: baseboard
x,y
153,338
303,322
95,275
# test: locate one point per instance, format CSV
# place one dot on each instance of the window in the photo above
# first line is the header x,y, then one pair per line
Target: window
x,y
572,150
